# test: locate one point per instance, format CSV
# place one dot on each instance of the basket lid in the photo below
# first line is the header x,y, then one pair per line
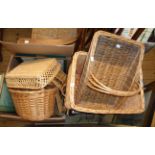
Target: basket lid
x,y
33,69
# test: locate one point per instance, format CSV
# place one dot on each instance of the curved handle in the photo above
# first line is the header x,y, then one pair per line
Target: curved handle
x,y
100,87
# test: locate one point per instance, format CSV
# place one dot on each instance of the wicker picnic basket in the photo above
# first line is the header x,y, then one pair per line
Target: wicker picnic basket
x,y
111,69
33,86
34,105
36,74
132,104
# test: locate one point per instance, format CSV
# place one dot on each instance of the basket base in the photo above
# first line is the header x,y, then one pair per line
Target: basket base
x,y
36,105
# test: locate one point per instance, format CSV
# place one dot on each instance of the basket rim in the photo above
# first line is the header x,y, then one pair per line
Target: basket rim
x,y
107,34
30,91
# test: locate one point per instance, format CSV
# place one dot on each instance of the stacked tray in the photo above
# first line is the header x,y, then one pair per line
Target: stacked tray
x,y
109,78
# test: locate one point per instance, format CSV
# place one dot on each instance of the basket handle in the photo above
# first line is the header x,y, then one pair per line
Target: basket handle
x,y
100,87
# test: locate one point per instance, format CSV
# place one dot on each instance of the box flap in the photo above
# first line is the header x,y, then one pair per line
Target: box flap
x,y
33,48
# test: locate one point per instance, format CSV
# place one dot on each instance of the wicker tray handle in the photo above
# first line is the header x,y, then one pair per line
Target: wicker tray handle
x,y
100,87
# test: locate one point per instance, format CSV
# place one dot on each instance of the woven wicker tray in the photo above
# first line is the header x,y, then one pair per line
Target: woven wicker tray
x,y
111,67
132,105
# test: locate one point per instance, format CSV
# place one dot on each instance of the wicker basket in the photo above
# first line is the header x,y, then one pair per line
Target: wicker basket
x,y
111,68
60,81
131,105
34,105
35,74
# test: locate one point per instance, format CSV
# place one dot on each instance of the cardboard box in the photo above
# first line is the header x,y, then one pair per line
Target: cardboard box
x,y
40,48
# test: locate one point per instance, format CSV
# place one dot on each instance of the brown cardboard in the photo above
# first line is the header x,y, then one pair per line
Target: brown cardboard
x,y
37,48
37,41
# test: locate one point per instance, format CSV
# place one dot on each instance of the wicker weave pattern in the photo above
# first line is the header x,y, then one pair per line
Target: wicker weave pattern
x,y
33,74
115,63
34,105
131,105
60,81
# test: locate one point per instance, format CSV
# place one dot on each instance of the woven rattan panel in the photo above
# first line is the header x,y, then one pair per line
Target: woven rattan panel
x,y
34,74
114,61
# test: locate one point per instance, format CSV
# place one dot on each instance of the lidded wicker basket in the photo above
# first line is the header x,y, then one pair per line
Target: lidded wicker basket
x,y
33,86
112,67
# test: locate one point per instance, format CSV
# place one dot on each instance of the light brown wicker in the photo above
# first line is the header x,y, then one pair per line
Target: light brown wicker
x,y
60,81
34,105
35,74
131,105
111,68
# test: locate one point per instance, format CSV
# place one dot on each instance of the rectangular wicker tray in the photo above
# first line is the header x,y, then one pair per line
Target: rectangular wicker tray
x,y
132,105
111,67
